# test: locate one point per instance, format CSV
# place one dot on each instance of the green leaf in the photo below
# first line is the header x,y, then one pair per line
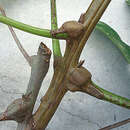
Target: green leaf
x,y
128,2
115,38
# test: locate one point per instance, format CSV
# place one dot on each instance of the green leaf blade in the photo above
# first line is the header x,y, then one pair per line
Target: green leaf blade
x,y
115,38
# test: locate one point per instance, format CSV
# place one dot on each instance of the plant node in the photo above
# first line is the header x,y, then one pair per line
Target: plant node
x,y
72,28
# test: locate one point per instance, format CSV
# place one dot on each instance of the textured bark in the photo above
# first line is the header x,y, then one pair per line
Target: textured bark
x,y
58,88
20,110
40,65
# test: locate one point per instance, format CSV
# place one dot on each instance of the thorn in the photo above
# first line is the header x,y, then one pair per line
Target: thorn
x,y
27,96
45,49
81,62
2,116
81,19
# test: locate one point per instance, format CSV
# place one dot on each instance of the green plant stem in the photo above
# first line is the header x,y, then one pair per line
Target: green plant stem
x,y
128,2
115,38
55,42
30,29
113,98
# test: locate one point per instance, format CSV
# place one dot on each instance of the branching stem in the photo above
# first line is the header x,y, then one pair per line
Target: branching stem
x,y
40,65
57,88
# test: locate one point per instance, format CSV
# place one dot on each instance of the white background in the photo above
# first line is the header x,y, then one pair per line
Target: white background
x,y
77,111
